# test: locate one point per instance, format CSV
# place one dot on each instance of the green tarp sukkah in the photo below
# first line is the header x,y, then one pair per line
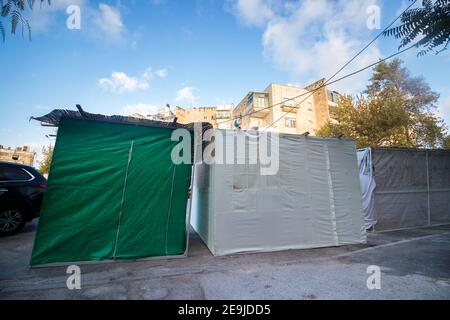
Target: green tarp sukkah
x,y
113,191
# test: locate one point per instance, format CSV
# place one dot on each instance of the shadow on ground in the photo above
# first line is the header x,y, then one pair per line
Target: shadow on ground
x,y
415,264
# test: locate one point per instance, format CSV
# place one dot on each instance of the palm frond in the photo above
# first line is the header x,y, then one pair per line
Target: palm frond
x,y
428,27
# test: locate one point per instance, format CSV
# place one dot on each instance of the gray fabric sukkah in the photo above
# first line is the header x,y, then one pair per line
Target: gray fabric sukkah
x,y
412,188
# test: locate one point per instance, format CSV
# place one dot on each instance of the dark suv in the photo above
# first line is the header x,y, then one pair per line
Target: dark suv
x,y
21,192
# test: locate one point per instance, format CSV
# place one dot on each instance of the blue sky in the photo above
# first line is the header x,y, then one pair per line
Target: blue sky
x,y
136,56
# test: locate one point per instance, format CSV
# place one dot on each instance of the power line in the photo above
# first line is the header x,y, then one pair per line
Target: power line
x,y
350,61
324,85
328,81
340,79
370,43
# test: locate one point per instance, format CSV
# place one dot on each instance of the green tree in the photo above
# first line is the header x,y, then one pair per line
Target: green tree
x,y
372,123
427,27
418,94
14,11
395,110
446,142
44,166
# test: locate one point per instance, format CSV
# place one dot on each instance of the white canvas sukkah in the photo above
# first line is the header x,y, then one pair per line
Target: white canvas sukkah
x,y
314,200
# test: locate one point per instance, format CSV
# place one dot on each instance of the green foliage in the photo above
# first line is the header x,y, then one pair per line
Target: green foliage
x,y
376,122
427,27
446,142
392,74
395,110
14,9
44,166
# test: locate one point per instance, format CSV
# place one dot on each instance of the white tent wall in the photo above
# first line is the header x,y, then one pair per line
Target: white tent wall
x,y
368,186
313,201
412,187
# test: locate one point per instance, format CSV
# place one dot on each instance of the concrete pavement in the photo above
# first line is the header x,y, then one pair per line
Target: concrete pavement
x,y
415,264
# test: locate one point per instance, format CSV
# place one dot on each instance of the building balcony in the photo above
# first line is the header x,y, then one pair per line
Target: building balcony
x,y
289,106
257,105
258,112
223,114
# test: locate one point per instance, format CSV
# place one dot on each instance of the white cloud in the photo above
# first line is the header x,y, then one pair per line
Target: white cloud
x,y
253,12
42,16
312,39
187,95
162,73
102,23
120,82
141,108
149,73
109,20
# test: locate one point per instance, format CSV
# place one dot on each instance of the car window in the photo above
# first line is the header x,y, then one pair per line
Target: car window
x,y
13,174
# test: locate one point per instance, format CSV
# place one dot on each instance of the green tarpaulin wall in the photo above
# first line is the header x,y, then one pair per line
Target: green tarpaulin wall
x,y
113,193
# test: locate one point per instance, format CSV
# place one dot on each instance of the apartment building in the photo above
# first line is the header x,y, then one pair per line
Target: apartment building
x,y
281,108
202,114
217,116
223,119
287,109
21,155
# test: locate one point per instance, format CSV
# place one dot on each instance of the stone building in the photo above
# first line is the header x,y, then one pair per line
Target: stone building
x,y
19,155
290,109
217,116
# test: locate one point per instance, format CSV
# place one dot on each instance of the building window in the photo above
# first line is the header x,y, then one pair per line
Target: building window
x,y
290,122
261,102
223,114
333,96
250,99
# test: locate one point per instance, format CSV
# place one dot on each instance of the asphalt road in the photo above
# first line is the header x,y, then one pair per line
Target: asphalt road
x,y
414,264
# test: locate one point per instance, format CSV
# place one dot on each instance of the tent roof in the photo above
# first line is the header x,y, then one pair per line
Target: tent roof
x,y
52,119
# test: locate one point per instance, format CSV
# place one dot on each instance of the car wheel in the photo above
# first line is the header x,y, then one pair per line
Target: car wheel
x,y
12,220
